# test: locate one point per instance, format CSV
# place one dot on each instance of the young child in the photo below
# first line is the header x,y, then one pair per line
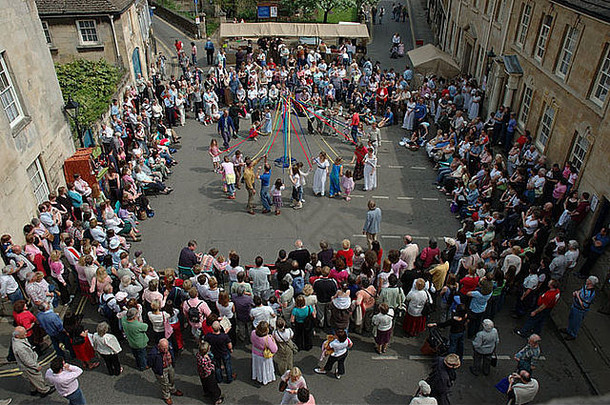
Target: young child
x,y
347,183
277,195
253,134
201,117
228,174
214,153
275,305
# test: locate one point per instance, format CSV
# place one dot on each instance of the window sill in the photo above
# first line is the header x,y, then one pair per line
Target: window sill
x,y
90,47
20,125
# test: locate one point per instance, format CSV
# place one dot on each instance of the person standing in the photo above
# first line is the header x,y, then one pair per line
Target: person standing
x,y
372,223
135,331
263,349
64,378
265,179
260,277
161,360
442,377
108,346
546,302
206,371
293,379
599,243
221,347
527,358
581,303
209,51
340,346
355,124
484,345
194,54
319,177
52,324
370,170
423,395
226,128
27,360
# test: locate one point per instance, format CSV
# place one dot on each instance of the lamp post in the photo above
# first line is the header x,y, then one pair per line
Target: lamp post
x,y
72,109
490,58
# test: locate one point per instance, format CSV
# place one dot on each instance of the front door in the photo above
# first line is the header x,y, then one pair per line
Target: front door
x,y
135,60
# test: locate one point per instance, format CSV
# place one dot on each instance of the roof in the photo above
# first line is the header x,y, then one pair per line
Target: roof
x,y
271,29
430,59
75,7
599,9
512,65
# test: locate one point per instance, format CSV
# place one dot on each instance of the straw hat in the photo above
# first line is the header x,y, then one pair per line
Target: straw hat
x,y
452,360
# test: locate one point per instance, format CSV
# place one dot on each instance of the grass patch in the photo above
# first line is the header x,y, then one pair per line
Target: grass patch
x,y
350,14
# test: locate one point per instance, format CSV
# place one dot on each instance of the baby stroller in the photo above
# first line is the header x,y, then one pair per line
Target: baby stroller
x,y
436,343
397,51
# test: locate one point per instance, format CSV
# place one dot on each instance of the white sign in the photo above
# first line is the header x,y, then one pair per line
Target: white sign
x,y
594,202
273,11
197,20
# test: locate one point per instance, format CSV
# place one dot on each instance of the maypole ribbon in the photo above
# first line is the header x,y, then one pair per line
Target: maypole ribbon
x,y
300,143
302,131
322,118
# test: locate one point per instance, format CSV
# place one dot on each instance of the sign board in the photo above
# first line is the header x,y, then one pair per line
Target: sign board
x,y
273,11
264,11
197,20
594,202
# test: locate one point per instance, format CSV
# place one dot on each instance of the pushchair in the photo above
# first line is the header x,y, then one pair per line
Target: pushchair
x,y
436,343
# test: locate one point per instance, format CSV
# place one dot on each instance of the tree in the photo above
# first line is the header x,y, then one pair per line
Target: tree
x,y
328,5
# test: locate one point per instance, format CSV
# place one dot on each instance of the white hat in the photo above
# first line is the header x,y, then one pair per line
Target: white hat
x,y
450,241
114,244
408,94
424,387
593,279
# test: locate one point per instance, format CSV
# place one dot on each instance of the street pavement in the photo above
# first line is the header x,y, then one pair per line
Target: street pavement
x,y
197,209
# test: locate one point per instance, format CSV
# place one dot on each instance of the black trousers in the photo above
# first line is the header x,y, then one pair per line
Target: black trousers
x,y
112,363
340,363
210,387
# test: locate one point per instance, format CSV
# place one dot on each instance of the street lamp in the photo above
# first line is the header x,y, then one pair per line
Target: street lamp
x,y
72,109
490,58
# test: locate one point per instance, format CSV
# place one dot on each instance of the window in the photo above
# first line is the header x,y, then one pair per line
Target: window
x,y
567,52
500,8
546,123
8,95
543,36
526,102
579,151
38,181
47,33
602,82
88,32
524,23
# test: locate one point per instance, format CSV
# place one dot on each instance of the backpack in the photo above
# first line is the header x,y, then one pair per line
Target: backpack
x,y
104,309
298,283
193,314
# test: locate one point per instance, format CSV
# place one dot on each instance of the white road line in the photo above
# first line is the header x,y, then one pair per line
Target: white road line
x,y
381,197
358,236
385,141
418,168
405,198
357,195
384,357
391,236
395,167
430,198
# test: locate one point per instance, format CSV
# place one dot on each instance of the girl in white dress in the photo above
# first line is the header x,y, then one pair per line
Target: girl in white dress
x,y
473,111
370,171
407,122
321,173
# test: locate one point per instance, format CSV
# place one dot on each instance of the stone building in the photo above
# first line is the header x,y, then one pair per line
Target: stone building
x,y
116,30
549,61
35,137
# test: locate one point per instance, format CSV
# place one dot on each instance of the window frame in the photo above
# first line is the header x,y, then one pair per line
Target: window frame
x,y
41,190
526,104
570,30
11,91
579,160
540,143
605,63
543,37
47,32
523,28
80,32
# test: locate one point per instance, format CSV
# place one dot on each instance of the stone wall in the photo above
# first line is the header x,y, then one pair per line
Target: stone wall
x,y
185,24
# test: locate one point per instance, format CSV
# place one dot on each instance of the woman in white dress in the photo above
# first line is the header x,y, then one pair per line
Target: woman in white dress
x,y
473,111
370,171
407,122
321,173
262,366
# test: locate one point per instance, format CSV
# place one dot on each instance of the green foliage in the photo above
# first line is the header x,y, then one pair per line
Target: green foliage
x,y
211,25
336,15
91,84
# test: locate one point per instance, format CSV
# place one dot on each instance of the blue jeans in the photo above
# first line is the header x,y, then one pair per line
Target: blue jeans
x,y
575,320
76,398
456,343
355,134
16,296
56,242
266,198
535,323
231,189
218,362
140,355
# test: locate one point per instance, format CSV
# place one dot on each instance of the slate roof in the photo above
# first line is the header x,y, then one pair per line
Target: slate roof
x,y
599,9
71,7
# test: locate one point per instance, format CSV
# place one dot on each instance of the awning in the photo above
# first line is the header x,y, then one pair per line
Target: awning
x,y
430,59
294,30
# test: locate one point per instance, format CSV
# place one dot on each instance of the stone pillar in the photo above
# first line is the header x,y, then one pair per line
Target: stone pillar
x,y
511,87
495,93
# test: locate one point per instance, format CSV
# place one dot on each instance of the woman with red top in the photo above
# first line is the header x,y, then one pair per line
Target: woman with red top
x,y
429,255
80,341
23,317
359,155
346,253
376,247
469,282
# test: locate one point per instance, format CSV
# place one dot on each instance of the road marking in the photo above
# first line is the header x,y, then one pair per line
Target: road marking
x,y
405,198
418,168
430,198
358,236
391,236
357,195
396,167
381,197
500,357
384,357
385,141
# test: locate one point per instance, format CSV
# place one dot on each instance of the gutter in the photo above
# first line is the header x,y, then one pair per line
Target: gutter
x,y
116,44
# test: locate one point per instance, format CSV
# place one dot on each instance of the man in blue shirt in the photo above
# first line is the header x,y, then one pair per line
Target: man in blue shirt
x,y
408,74
169,102
478,304
510,132
265,196
209,50
52,324
225,126
420,112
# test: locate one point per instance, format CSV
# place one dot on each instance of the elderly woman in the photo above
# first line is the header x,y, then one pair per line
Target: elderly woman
x,y
365,301
285,346
310,296
303,332
263,349
415,322
293,380
108,347
206,371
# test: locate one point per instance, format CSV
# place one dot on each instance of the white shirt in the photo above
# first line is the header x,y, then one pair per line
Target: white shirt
x,y
262,313
340,348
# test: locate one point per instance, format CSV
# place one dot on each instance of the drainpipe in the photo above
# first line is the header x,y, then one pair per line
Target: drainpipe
x,y
506,25
483,65
457,25
116,43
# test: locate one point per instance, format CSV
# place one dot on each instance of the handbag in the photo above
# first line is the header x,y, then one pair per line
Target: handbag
x,y
283,385
167,327
267,353
502,385
494,359
428,306
308,324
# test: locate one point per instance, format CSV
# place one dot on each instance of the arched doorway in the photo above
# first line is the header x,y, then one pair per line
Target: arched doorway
x,y
135,60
